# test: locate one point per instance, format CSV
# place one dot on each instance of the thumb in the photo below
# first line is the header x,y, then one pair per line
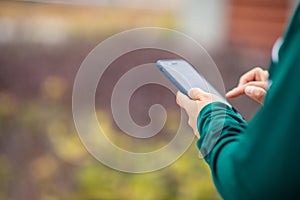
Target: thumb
x,y
196,93
256,93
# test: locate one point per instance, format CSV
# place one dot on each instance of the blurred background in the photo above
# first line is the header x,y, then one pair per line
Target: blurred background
x,y
43,43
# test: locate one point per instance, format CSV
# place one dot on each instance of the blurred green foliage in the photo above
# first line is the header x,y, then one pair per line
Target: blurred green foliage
x,y
41,155
42,158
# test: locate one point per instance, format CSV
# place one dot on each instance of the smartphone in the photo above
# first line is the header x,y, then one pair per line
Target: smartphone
x,y
185,77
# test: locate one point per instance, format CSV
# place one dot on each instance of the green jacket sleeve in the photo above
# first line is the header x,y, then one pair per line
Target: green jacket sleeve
x,y
260,160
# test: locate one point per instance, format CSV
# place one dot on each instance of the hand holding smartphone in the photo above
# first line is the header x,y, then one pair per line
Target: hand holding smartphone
x,y
185,77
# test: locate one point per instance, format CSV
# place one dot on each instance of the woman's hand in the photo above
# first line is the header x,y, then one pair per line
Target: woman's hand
x,y
253,83
193,105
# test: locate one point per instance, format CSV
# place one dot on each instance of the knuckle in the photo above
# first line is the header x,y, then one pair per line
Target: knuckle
x,y
266,73
258,69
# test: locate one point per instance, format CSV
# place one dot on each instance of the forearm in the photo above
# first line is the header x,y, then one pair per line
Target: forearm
x,y
218,124
220,128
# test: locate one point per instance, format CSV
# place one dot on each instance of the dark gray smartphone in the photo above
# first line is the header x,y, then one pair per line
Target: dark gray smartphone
x,y
185,77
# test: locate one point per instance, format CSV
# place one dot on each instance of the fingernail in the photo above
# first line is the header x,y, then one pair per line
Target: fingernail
x,y
230,92
249,89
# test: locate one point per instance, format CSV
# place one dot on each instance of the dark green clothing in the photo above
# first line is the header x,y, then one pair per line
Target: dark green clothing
x,y
260,160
